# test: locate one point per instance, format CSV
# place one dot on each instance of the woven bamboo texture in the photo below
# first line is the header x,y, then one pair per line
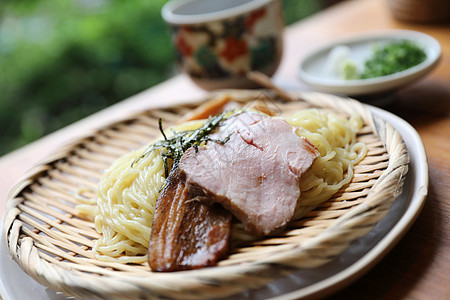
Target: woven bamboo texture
x,y
51,242
420,11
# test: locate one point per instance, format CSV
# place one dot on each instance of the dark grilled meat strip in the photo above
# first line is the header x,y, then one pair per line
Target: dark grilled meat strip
x,y
186,234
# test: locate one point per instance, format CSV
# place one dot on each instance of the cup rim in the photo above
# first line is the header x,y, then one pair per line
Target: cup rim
x,y
171,17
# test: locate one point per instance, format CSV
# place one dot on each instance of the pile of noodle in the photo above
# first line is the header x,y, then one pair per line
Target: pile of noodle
x,y
127,191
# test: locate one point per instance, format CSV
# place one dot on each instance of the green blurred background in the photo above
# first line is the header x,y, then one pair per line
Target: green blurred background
x,y
63,60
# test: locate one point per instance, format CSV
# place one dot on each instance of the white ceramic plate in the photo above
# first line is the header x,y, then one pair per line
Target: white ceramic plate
x,y
314,69
347,267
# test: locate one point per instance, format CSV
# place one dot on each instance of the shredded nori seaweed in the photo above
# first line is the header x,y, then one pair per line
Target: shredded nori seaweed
x,y
174,147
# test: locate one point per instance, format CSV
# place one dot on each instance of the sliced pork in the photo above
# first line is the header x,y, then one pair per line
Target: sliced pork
x,y
186,234
255,174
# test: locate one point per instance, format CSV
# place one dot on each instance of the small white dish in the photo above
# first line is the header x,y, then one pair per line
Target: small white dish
x,y
315,72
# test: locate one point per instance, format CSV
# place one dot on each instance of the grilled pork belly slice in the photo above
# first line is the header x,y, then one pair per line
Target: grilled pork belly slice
x,y
186,234
255,175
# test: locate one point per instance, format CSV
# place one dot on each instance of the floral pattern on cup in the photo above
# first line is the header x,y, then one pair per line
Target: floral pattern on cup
x,y
231,47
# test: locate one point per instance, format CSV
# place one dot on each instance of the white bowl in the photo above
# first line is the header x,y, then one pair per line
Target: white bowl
x,y
315,72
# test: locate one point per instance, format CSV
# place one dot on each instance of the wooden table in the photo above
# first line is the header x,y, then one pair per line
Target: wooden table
x,y
418,267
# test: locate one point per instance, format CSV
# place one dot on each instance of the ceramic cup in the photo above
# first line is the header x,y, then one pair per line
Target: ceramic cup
x,y
218,41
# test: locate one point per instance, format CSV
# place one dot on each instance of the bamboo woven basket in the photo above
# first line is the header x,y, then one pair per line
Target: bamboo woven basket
x,y
51,243
420,11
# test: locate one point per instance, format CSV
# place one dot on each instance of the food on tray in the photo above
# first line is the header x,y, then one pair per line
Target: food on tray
x,y
256,174
186,234
263,170
241,168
